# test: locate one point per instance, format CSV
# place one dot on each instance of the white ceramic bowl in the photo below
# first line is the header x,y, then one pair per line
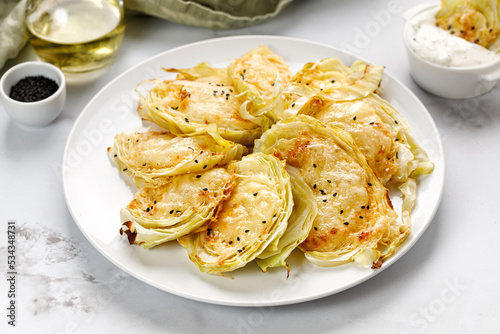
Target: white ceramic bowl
x,y
448,82
33,114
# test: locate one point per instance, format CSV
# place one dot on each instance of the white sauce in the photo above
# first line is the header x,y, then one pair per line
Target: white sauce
x,y
440,47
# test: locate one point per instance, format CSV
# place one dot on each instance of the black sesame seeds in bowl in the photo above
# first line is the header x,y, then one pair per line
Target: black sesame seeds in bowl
x,y
33,88
33,93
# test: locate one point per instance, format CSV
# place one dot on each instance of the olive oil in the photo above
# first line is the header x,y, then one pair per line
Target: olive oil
x,y
76,35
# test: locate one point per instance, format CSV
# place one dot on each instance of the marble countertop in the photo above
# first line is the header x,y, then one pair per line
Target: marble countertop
x,y
447,283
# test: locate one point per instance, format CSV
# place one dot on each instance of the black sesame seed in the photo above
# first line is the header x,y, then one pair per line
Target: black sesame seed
x,y
205,189
198,176
240,250
314,165
204,166
333,81
208,231
115,155
360,217
322,192
314,186
367,207
334,194
263,222
187,120
196,161
362,206
315,228
329,181
33,88
144,164
171,211
238,238
341,211
293,104
369,184
147,209
154,202
354,118
255,194
324,200
395,121
449,27
246,231
371,123
230,242
124,169
346,223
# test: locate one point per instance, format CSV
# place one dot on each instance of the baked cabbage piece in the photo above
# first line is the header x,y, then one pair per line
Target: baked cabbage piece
x,y
380,132
299,224
355,219
183,204
331,79
259,74
477,21
199,97
251,220
150,156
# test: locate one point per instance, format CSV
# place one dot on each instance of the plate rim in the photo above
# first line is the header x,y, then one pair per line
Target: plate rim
x,y
400,253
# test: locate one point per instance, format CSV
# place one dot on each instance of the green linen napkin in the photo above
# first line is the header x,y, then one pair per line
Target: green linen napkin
x,y
12,34
213,14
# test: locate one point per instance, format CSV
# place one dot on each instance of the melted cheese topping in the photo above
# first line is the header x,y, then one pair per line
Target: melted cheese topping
x,y
340,186
181,197
201,102
248,216
157,150
261,67
361,119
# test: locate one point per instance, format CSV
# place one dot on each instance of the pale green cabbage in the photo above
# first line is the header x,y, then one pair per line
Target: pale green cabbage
x,y
299,224
251,220
180,206
477,21
148,157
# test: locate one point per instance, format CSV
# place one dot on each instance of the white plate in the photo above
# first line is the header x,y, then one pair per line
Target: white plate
x,y
95,191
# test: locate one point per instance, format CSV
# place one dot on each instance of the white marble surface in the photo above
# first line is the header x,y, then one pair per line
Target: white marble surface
x,y
447,283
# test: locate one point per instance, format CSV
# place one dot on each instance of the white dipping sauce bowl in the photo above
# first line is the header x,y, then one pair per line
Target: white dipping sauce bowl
x,y
33,114
444,81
